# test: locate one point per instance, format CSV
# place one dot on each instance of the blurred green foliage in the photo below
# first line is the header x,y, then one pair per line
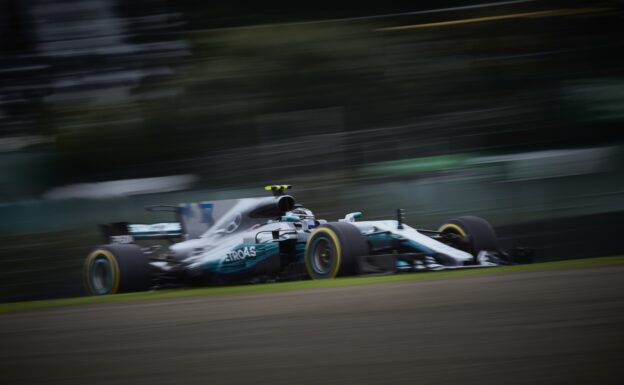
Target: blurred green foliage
x,y
225,96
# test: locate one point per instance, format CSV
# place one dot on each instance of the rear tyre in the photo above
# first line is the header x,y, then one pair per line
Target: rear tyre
x,y
478,233
332,250
116,268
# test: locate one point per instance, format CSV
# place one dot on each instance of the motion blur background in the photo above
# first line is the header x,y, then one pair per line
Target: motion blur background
x,y
509,110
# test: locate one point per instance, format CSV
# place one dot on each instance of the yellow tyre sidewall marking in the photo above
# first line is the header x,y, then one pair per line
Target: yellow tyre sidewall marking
x,y
334,238
453,227
113,262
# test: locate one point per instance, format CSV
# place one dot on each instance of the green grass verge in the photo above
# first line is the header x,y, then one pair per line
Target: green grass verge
x,y
309,284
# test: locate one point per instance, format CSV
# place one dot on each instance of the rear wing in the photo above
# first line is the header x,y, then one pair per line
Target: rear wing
x,y
191,220
124,232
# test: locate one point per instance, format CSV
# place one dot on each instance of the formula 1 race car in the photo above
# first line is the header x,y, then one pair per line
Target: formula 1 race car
x,y
273,239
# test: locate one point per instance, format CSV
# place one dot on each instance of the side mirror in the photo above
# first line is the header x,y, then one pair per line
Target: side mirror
x,y
351,217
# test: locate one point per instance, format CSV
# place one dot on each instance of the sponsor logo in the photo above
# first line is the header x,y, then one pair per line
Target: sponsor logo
x,y
241,254
121,239
155,228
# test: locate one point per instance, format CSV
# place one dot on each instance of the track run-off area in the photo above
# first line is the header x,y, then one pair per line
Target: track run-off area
x,y
547,323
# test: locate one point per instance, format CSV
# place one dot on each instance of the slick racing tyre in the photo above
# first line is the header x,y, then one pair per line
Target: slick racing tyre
x,y
332,250
116,268
478,233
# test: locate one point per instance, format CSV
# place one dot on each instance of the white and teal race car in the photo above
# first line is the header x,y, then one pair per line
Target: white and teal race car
x,y
273,238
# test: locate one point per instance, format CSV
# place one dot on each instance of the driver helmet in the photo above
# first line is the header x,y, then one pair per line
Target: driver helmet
x,y
304,215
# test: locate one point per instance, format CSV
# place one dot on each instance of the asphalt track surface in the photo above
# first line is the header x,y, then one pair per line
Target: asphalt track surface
x,y
539,327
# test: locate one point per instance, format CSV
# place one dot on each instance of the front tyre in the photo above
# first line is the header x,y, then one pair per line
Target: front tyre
x,y
332,250
116,268
477,233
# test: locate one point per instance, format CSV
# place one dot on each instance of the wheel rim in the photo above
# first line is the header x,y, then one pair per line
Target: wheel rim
x,y
101,276
323,256
459,231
